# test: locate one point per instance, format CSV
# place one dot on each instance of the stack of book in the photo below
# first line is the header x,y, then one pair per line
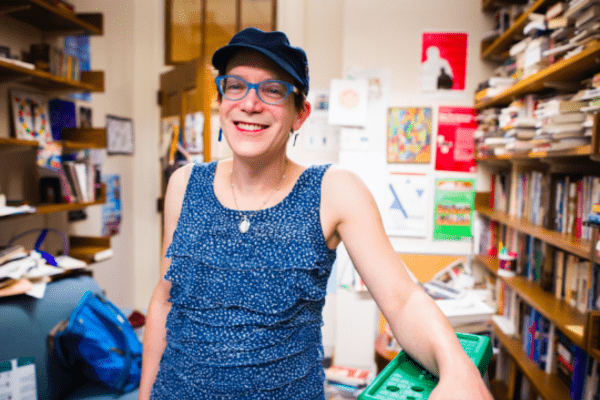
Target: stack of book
x,y
487,128
561,123
521,133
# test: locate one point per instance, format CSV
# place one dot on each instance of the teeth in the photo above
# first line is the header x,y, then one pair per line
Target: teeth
x,y
250,127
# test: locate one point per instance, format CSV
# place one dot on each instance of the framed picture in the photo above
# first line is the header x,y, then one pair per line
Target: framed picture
x,y
406,204
119,135
31,117
409,135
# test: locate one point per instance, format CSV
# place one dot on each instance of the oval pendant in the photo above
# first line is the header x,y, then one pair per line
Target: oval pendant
x,y
244,225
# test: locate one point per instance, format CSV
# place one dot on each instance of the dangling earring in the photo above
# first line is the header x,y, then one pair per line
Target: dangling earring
x,y
295,137
220,134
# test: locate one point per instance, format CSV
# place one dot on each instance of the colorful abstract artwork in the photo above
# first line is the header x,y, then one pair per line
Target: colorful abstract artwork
x,y
409,135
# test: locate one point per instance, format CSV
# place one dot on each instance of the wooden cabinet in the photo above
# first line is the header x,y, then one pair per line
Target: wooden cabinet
x,y
581,327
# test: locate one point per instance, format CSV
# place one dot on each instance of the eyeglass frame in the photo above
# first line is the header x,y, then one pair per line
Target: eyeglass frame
x,y
290,88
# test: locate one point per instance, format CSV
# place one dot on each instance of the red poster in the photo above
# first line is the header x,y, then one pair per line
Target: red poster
x,y
444,61
456,128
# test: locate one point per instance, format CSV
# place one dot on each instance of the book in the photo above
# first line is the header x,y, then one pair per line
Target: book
x,y
62,115
69,168
571,276
555,10
347,375
583,285
11,252
578,374
559,268
550,358
564,359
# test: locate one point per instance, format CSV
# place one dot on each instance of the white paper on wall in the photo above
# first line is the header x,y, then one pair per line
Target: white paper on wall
x,y
319,135
348,101
358,139
406,204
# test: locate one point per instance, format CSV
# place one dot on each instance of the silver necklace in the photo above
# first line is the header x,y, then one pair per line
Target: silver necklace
x,y
244,224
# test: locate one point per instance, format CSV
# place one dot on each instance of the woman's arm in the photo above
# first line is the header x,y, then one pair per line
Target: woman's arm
x,y
418,324
155,331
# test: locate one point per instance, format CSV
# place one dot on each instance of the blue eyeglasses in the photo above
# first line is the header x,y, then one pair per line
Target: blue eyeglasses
x,y
271,91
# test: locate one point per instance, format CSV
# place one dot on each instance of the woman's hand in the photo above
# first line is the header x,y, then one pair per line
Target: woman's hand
x,y
462,385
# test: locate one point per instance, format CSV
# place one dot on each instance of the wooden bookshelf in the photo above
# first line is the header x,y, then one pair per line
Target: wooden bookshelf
x,y
569,243
548,386
567,319
570,69
497,49
91,81
53,20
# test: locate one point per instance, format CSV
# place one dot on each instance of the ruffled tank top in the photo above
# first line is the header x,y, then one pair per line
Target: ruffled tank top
x,y
246,315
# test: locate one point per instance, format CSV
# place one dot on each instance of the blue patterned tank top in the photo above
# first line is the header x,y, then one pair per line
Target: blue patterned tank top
x,y
246,313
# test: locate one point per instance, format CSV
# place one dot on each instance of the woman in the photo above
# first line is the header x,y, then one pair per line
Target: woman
x,y
249,245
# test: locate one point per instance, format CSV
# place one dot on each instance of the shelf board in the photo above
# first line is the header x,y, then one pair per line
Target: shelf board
x,y
567,319
90,249
569,243
80,139
53,208
52,19
582,151
549,386
563,70
491,263
59,207
12,142
91,81
502,43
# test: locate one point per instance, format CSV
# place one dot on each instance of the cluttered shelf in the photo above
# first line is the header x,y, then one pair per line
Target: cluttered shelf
x,y
548,386
54,19
569,243
500,45
91,81
568,319
569,69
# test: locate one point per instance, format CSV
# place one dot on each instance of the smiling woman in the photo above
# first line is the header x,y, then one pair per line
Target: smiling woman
x,y
249,246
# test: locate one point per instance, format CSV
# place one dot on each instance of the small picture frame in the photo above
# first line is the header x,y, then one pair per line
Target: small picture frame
x,y
30,116
119,135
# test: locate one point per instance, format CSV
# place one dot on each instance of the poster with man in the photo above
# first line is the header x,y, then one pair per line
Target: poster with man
x,y
443,61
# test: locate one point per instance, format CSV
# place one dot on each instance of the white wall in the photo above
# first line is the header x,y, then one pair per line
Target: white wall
x,y
132,57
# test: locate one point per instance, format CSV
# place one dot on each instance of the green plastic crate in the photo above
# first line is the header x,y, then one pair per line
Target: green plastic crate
x,y
403,378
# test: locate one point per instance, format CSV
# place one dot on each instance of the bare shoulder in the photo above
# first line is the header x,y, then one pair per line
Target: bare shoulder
x,y
176,191
344,190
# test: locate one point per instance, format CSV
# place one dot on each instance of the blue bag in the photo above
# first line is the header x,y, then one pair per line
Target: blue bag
x,y
99,340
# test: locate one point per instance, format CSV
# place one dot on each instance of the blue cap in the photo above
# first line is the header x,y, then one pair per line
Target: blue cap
x,y
274,45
